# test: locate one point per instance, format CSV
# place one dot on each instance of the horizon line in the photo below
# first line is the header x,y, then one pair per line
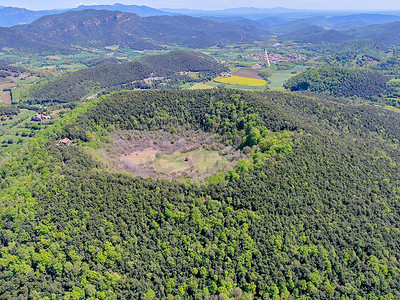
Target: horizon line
x,y
216,10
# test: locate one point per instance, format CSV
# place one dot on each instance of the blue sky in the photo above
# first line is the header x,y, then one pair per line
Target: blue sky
x,y
215,4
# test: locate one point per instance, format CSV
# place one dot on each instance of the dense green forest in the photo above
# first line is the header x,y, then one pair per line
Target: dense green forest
x,y
312,213
386,34
348,60
362,47
340,82
111,75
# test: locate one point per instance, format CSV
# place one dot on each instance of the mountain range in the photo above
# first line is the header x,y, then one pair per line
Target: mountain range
x,y
142,27
102,28
10,16
338,20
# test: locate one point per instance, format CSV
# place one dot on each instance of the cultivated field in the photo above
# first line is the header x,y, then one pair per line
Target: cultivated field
x,y
248,73
237,80
200,86
5,97
16,129
7,85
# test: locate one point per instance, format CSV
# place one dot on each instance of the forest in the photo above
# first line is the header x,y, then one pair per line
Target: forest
x,y
8,110
340,82
311,213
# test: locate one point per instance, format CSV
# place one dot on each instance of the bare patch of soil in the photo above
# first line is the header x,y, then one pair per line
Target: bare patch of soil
x,y
6,97
7,85
190,154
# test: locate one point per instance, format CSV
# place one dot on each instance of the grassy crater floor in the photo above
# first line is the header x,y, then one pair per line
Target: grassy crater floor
x,y
190,154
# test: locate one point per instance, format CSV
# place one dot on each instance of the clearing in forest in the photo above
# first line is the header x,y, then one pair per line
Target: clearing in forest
x,y
189,154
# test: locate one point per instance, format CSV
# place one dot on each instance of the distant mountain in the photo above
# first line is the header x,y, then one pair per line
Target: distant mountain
x,y
264,17
387,34
90,28
10,16
314,34
359,20
102,28
143,11
249,12
18,40
347,22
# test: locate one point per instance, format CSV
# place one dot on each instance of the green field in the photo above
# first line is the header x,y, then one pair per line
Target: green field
x,y
278,78
200,159
201,86
14,131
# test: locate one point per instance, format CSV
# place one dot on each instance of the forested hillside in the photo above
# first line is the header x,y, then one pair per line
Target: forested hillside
x,y
312,213
313,34
387,34
362,47
111,76
340,82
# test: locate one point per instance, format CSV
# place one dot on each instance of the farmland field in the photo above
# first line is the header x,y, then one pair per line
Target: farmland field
x,y
200,86
7,85
278,78
15,130
235,86
237,80
6,97
248,73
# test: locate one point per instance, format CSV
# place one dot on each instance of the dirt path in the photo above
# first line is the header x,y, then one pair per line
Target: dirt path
x,y
7,85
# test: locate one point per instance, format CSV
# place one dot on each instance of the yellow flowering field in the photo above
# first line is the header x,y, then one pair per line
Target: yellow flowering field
x,y
241,81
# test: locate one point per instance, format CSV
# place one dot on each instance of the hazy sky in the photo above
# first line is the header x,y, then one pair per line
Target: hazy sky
x,y
214,4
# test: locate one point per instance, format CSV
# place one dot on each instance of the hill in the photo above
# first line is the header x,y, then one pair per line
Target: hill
x,y
141,10
362,47
339,82
104,28
313,34
311,212
89,28
112,76
360,20
20,41
345,22
387,34
10,16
